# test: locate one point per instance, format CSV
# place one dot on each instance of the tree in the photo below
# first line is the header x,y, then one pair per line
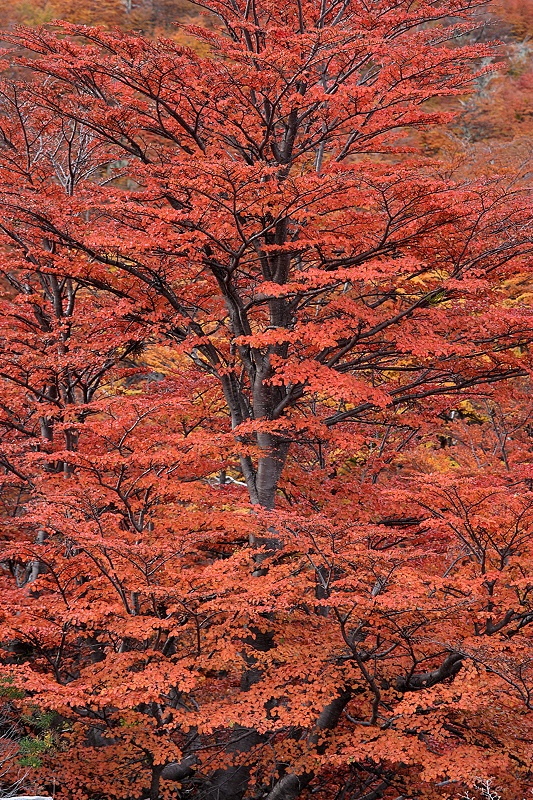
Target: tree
x,y
153,17
300,305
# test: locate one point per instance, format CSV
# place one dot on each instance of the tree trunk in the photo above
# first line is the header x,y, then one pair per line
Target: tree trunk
x,y
290,786
269,468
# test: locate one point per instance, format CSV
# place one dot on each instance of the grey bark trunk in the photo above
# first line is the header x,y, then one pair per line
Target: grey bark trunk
x,y
290,786
269,468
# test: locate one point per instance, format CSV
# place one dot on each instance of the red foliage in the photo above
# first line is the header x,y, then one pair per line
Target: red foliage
x,y
266,424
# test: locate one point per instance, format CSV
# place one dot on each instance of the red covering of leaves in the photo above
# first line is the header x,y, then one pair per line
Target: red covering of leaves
x,y
266,413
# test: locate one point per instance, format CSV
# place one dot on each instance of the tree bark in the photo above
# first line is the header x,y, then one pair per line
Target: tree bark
x,y
449,667
291,785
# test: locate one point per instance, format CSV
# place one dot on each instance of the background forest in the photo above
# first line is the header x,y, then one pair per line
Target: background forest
x,y
266,415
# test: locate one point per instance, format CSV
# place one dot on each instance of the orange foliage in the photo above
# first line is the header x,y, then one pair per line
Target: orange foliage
x,y
151,17
516,13
266,414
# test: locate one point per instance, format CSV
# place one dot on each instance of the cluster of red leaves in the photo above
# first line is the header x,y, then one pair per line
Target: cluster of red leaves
x,y
266,414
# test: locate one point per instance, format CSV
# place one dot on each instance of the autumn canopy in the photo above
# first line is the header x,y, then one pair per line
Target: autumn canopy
x,y
266,417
